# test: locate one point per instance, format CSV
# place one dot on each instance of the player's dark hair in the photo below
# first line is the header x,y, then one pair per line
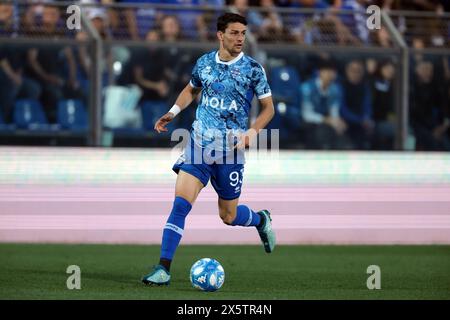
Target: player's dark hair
x,y
228,17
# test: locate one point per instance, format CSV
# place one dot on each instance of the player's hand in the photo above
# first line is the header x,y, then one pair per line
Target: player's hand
x,y
245,139
160,125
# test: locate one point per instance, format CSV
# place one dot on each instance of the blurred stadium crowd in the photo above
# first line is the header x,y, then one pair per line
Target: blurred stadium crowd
x,y
325,99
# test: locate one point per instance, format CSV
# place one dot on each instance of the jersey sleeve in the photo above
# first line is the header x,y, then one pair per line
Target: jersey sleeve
x,y
195,77
261,85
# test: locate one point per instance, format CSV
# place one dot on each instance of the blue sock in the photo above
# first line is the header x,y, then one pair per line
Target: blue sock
x,y
173,230
246,217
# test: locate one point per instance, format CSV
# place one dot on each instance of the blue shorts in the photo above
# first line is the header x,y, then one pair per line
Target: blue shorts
x,y
225,170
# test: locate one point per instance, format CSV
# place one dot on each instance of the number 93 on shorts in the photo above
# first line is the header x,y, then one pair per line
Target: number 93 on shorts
x,y
226,179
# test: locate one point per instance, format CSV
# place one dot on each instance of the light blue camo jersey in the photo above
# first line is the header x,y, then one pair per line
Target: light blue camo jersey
x,y
227,92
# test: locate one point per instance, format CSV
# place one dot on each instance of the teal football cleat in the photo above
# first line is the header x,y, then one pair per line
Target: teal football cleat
x,y
266,233
159,276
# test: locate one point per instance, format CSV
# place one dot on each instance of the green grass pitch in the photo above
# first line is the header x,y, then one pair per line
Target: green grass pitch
x,y
38,271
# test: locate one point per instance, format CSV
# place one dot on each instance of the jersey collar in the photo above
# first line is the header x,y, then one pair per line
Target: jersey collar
x,y
231,61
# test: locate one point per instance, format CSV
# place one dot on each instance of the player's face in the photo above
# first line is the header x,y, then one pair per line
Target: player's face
x,y
233,38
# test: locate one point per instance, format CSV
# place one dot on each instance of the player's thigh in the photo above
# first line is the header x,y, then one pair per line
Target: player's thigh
x,y
227,209
227,181
187,186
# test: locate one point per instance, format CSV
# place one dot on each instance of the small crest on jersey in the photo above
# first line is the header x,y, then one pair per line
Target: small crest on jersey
x,y
235,72
208,69
218,87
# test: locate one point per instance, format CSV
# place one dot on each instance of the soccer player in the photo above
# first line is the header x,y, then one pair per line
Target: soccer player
x,y
227,80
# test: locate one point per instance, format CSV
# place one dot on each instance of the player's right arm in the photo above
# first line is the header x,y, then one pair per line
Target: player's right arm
x,y
187,95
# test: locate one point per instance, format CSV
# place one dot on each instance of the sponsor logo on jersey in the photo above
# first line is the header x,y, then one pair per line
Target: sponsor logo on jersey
x,y
217,103
235,72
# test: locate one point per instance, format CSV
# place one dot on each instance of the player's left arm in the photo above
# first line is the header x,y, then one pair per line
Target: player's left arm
x,y
187,95
262,90
266,114
264,117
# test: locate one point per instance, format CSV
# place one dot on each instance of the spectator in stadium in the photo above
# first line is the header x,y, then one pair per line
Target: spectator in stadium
x,y
99,20
382,39
254,18
115,16
177,61
8,24
357,20
323,27
429,114
321,103
206,20
52,66
271,28
31,15
127,75
14,84
300,24
419,43
149,70
192,19
434,29
140,20
170,28
382,84
153,35
356,108
205,25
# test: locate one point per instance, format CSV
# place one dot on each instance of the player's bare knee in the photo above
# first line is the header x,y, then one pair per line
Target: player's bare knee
x,y
228,219
227,216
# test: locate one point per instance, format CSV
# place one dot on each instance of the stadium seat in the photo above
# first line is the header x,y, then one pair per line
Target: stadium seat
x,y
285,83
285,86
28,114
72,115
287,119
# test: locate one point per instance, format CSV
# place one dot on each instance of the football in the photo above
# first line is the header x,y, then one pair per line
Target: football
x,y
207,274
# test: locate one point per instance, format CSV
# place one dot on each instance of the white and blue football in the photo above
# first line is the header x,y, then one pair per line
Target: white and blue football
x,y
207,275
